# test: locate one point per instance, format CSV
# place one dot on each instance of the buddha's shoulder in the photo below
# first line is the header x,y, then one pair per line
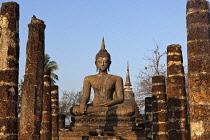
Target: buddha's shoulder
x,y
115,77
89,77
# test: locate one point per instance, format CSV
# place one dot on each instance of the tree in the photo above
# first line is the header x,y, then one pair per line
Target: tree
x,y
68,100
52,65
144,79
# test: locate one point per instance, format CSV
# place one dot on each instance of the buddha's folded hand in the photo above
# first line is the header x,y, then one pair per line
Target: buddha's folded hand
x,y
104,104
82,108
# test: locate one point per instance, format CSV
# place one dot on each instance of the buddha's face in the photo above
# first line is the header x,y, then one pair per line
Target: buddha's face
x,y
103,63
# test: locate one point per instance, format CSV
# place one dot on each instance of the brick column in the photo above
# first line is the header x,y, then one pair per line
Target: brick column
x,y
176,94
198,49
31,109
62,118
54,103
159,108
46,125
9,69
148,118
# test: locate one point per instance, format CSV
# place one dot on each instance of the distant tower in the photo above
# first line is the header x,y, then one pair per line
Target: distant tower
x,y
198,48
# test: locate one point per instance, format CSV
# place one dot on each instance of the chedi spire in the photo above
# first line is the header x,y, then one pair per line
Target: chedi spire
x,y
128,81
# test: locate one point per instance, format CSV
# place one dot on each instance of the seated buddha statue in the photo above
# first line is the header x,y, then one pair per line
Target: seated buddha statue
x,y
108,91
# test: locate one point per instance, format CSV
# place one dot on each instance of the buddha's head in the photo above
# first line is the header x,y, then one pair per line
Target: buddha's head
x,y
103,58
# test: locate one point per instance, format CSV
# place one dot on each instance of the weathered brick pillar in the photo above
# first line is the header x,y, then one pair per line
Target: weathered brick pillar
x,y
198,49
9,69
54,103
159,108
62,118
46,125
148,118
31,109
176,95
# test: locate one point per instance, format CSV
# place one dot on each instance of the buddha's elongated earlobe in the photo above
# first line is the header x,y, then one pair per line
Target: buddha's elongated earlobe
x,y
96,66
109,65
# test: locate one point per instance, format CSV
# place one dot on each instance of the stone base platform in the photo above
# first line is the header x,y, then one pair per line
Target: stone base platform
x,y
103,121
92,138
114,128
103,138
69,135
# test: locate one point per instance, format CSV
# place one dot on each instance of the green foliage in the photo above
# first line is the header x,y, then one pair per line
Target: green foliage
x,y
52,65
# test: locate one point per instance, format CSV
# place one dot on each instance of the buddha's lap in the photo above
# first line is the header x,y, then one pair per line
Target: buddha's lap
x,y
119,110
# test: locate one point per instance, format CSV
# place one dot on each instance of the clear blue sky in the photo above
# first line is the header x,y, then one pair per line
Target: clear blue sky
x,y
74,29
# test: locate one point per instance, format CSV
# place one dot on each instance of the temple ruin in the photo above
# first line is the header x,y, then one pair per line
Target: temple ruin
x,y
54,111
198,47
32,92
148,118
176,94
9,70
159,109
175,111
46,125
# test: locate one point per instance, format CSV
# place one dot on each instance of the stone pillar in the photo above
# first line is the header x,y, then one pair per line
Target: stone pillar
x,y
176,95
54,103
148,118
198,49
159,108
62,118
9,69
46,125
31,109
